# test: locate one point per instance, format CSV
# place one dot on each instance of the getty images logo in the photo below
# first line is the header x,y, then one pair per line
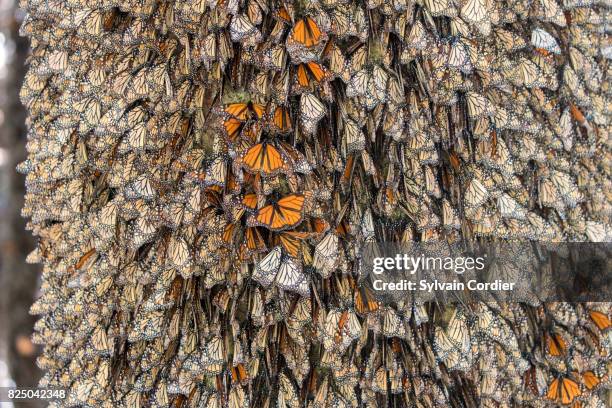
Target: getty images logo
x,y
411,264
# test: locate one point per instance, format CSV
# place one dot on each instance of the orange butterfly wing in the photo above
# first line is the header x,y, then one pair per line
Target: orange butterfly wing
x,y
283,14
290,240
237,110
228,233
239,374
263,158
250,131
84,259
307,32
258,109
319,225
317,71
302,76
569,391
243,111
364,303
563,390
342,229
232,128
556,345
309,70
553,390
254,241
600,319
313,32
341,323
590,380
289,211
265,215
250,201
286,213
282,120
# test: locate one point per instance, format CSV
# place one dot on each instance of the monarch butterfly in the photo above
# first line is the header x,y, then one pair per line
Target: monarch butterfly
x,y
527,73
474,11
338,66
239,374
476,194
244,111
542,40
58,61
147,326
216,173
563,390
272,57
178,252
418,37
364,300
440,8
372,85
459,57
250,201
458,330
306,32
311,111
299,163
284,214
509,208
281,120
449,216
326,255
287,394
291,241
555,344
339,328
510,41
141,187
577,114
213,356
393,374
264,159
284,13
243,30
253,241
308,72
354,139
478,106
84,259
233,128
601,320
550,11
283,271
393,325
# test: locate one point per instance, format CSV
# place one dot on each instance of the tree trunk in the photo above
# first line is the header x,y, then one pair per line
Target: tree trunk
x,y
205,176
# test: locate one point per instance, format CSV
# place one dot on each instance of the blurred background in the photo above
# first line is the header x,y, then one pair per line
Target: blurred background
x,y
18,280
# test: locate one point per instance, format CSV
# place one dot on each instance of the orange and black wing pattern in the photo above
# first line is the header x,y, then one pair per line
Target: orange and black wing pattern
x,y
307,33
281,120
601,320
291,241
364,300
310,72
265,159
244,111
563,390
286,213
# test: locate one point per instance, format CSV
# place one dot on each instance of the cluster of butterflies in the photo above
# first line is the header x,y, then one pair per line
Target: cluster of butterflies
x,y
203,175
